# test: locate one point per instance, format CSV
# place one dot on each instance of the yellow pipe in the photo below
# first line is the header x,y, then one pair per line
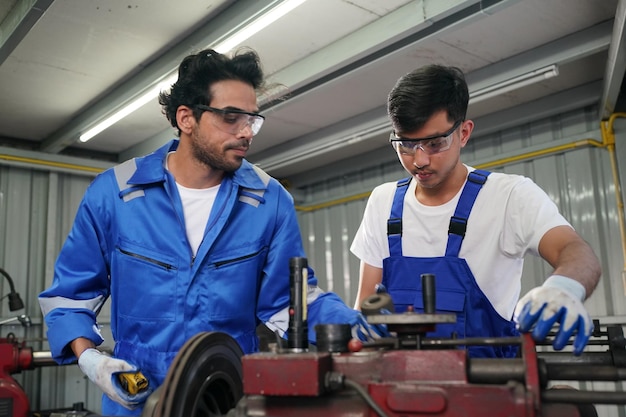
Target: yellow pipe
x,y
320,206
50,163
542,152
608,139
503,161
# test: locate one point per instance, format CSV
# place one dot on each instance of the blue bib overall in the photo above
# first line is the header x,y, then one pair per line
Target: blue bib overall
x,y
456,288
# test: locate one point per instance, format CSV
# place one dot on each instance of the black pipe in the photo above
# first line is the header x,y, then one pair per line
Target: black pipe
x,y
499,371
575,372
429,293
573,396
567,358
297,334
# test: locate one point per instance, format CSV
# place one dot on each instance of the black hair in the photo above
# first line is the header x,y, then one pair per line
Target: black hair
x,y
423,92
198,72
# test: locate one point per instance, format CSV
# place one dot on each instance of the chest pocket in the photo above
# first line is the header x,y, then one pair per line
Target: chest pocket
x,y
234,278
146,283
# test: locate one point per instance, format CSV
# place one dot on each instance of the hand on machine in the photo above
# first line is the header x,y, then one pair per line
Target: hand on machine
x,y
558,300
366,332
119,380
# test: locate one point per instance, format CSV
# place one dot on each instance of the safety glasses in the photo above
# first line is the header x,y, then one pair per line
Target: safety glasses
x,y
234,121
430,145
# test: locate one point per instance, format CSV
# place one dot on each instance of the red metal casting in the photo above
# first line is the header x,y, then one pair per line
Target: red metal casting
x,y
14,357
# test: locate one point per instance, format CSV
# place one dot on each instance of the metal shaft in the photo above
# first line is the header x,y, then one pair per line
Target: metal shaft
x,y
297,334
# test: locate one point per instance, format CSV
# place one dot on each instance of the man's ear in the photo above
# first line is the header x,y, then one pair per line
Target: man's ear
x,y
466,131
185,119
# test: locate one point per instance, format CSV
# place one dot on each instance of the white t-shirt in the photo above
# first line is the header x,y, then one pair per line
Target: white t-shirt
x,y
508,219
197,205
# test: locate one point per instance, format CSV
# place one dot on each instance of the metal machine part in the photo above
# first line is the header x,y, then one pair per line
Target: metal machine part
x,y
205,379
420,382
298,327
411,374
15,357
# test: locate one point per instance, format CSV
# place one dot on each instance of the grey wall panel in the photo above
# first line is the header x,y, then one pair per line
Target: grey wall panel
x,y
37,208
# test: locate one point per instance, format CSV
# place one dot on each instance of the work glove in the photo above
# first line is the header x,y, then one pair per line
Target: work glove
x,y
366,332
102,370
559,299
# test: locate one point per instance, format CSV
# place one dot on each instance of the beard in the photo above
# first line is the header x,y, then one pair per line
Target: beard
x,y
214,156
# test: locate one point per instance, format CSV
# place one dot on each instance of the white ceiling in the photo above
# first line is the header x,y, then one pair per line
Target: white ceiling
x,y
64,64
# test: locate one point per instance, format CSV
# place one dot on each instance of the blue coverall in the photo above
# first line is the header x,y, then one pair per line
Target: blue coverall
x,y
129,243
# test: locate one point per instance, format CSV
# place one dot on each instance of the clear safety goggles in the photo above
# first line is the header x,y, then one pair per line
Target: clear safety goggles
x,y
234,121
430,145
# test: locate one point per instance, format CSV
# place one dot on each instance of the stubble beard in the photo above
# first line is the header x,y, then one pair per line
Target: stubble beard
x,y
212,156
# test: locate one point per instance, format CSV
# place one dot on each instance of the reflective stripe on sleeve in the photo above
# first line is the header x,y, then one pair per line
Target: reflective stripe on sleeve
x,y
50,303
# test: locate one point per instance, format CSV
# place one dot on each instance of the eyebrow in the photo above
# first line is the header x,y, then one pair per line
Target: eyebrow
x,y
237,109
444,134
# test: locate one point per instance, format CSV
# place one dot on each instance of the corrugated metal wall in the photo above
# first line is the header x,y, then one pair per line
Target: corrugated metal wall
x,y
37,207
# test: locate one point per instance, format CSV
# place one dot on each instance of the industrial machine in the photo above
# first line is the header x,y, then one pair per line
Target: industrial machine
x,y
15,356
408,374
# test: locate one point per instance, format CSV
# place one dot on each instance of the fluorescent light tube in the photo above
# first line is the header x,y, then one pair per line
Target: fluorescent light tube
x,y
224,46
119,115
514,83
257,25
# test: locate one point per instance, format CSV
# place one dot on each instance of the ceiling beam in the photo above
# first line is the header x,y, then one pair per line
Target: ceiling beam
x,y
18,22
549,106
616,64
570,48
284,158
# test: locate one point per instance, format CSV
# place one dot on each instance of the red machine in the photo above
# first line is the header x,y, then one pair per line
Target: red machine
x,y
406,375
402,382
14,356
412,375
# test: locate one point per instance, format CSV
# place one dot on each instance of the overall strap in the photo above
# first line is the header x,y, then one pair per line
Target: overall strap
x,y
458,223
394,224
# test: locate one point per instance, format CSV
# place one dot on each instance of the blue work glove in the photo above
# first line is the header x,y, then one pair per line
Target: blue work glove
x,y
559,299
102,370
366,332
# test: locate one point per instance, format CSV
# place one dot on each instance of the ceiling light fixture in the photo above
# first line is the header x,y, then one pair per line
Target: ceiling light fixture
x,y
514,83
260,23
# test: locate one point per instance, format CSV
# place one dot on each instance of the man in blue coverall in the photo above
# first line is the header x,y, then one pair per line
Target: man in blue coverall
x,y
188,239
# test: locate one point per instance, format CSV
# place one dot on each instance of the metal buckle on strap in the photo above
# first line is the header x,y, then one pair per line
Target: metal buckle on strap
x,y
457,226
394,226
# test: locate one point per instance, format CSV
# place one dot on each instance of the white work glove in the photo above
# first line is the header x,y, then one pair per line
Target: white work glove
x,y
559,299
366,332
102,370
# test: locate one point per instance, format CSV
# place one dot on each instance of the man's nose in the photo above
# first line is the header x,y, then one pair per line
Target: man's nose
x,y
246,131
420,158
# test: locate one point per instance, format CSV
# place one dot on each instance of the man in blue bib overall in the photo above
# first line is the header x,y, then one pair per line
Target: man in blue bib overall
x,y
470,228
